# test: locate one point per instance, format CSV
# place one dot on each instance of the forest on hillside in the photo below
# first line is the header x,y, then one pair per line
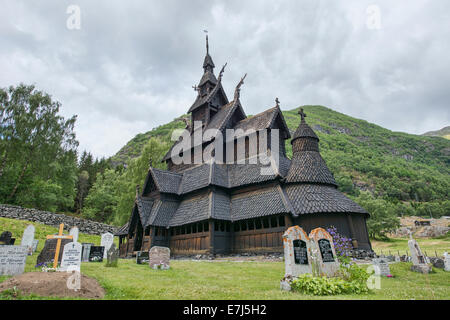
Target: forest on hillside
x,y
389,173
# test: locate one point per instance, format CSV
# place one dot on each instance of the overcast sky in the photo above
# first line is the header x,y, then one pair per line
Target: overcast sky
x,y
131,64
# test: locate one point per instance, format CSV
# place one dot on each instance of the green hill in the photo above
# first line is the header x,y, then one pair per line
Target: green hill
x,y
363,156
444,133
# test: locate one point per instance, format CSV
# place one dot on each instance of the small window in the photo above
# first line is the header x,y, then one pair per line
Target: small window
x,y
222,226
251,224
236,227
188,229
273,222
227,226
243,225
216,226
156,231
183,230
171,231
194,228
206,227
200,227
177,231
258,224
281,221
147,231
265,223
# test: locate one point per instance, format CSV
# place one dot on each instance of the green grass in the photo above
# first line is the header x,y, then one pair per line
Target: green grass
x,y
229,280
428,246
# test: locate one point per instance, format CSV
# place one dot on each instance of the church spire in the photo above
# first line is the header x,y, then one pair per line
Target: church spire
x,y
208,64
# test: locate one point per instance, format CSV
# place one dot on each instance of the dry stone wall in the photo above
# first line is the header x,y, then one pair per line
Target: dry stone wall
x,y
55,219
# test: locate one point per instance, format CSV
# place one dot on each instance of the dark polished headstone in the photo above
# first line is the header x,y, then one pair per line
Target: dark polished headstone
x,y
142,257
5,238
96,254
47,254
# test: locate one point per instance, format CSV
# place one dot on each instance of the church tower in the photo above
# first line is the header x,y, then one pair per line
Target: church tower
x,y
210,94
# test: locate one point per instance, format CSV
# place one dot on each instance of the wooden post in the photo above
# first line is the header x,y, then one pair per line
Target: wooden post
x,y
60,236
211,236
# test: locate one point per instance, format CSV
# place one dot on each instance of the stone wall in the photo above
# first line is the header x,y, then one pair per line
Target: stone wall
x,y
54,219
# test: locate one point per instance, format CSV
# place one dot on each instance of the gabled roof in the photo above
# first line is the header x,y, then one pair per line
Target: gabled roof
x,y
123,230
258,203
263,120
219,122
312,198
218,89
166,181
214,204
162,212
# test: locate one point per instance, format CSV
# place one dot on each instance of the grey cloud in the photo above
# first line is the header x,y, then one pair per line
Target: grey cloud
x,y
132,64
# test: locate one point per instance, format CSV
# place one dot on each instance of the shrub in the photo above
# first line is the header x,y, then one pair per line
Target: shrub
x,y
322,286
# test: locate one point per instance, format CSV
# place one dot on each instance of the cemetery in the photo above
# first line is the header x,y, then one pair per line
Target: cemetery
x,y
158,274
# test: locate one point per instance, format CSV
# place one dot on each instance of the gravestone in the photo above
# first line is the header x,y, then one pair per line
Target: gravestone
x,y
324,254
142,257
74,233
34,245
47,254
437,263
27,238
297,252
71,257
417,257
112,256
159,258
12,260
446,261
86,250
381,267
5,238
107,241
96,254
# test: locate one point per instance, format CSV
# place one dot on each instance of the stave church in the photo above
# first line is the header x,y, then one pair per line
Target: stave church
x,y
219,206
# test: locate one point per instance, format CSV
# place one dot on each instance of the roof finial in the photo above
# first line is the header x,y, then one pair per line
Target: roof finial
x,y
302,114
221,72
207,44
237,91
277,102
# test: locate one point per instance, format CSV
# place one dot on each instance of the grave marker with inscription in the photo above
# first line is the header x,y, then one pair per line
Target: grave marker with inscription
x,y
417,257
71,257
27,238
12,260
112,256
381,267
96,254
297,252
446,261
159,258
324,254
86,250
74,233
107,241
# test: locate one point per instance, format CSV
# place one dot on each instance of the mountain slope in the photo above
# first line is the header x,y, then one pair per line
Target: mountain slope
x,y
362,156
444,133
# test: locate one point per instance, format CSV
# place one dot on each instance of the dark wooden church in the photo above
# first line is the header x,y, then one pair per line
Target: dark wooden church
x,y
218,207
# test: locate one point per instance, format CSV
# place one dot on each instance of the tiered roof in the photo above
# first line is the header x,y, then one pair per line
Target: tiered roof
x,y
303,185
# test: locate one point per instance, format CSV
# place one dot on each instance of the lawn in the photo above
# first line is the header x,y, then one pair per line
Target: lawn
x,y
235,280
